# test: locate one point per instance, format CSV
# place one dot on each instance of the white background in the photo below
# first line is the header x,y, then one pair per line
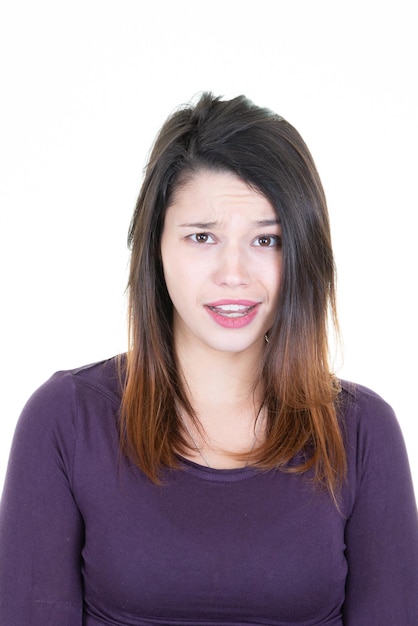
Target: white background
x,y
85,86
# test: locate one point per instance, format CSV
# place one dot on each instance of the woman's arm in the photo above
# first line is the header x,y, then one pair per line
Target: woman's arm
x,y
382,531
41,530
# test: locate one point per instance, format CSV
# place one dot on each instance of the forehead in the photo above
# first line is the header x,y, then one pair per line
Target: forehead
x,y
215,192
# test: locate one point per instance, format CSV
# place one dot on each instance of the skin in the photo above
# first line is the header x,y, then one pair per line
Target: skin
x,y
221,254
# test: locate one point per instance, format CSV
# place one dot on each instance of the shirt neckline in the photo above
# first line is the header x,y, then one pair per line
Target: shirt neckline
x,y
218,475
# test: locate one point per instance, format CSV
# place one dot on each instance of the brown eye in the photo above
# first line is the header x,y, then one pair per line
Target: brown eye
x,y
267,241
264,241
202,238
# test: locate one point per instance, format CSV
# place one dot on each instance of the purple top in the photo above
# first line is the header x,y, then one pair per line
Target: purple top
x,y
86,539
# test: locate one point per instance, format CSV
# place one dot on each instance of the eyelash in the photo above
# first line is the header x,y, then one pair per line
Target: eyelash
x,y
195,237
274,240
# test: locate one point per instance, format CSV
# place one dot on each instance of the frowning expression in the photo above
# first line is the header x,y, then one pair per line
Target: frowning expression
x,y
221,254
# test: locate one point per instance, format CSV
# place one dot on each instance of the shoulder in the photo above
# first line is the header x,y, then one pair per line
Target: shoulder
x,y
365,410
56,403
103,378
374,442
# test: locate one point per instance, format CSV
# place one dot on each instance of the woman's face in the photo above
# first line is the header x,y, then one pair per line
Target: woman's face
x,y
221,254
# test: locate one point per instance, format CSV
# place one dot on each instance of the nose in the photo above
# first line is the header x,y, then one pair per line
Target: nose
x,y
232,267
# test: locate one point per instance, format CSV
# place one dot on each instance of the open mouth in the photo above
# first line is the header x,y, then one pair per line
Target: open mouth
x,y
232,311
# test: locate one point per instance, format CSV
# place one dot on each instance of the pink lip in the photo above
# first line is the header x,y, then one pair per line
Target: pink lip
x,y
225,301
233,322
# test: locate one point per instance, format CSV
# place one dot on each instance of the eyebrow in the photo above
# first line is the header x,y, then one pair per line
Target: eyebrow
x,y
201,225
271,222
204,225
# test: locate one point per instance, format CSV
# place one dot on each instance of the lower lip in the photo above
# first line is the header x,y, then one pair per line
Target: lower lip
x,y
233,322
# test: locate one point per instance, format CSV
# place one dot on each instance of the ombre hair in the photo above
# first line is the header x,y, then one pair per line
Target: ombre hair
x,y
300,392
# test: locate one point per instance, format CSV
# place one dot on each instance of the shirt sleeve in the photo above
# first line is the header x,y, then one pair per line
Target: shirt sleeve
x,y
41,529
382,530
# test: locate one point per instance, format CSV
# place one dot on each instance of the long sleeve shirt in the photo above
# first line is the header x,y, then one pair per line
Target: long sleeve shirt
x,y
87,540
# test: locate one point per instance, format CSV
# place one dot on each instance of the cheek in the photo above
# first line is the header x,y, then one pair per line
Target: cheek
x,y
184,273
172,281
171,267
179,282
272,279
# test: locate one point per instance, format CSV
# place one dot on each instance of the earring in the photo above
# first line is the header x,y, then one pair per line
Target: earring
x,y
266,338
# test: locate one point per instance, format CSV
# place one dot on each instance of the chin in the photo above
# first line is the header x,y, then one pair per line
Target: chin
x,y
237,346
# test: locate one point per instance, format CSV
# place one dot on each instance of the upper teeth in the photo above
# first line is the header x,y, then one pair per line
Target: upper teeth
x,y
232,307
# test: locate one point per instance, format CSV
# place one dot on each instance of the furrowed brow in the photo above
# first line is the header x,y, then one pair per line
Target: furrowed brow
x,y
273,222
201,225
207,225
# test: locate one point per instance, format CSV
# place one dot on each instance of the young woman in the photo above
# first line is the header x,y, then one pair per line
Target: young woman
x,y
217,474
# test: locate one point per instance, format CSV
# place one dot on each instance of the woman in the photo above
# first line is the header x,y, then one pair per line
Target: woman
x,y
218,474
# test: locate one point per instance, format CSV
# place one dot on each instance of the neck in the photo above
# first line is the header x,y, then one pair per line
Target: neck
x,y
221,383
223,391
219,374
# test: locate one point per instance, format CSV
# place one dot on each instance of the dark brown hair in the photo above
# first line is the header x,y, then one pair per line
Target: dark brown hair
x,y
300,393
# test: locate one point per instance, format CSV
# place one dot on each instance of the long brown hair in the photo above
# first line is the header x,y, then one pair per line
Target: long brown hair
x,y
300,392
